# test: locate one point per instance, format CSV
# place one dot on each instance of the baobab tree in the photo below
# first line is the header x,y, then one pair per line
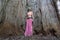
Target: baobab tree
x,y
45,14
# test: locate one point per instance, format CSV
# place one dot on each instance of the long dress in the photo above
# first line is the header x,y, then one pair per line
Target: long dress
x,y
28,30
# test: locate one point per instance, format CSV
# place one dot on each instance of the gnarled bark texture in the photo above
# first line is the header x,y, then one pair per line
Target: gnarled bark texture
x,y
49,15
13,12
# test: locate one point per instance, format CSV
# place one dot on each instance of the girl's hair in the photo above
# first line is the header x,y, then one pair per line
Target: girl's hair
x,y
29,10
27,15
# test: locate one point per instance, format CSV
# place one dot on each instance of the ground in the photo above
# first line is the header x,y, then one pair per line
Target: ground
x,y
34,37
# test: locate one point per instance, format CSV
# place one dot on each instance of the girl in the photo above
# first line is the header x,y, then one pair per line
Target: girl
x,y
29,20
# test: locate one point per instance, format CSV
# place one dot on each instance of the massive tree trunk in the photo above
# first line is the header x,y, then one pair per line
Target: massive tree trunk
x,y
13,12
49,15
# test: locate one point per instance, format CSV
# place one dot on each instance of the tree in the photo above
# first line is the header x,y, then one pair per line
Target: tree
x,y
45,13
49,15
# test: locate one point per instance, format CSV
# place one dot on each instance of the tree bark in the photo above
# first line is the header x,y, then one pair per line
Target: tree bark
x,y
13,13
49,15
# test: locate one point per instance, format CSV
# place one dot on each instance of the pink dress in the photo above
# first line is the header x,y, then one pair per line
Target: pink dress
x,y
28,30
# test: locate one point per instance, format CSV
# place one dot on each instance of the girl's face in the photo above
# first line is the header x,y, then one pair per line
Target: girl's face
x,y
30,13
